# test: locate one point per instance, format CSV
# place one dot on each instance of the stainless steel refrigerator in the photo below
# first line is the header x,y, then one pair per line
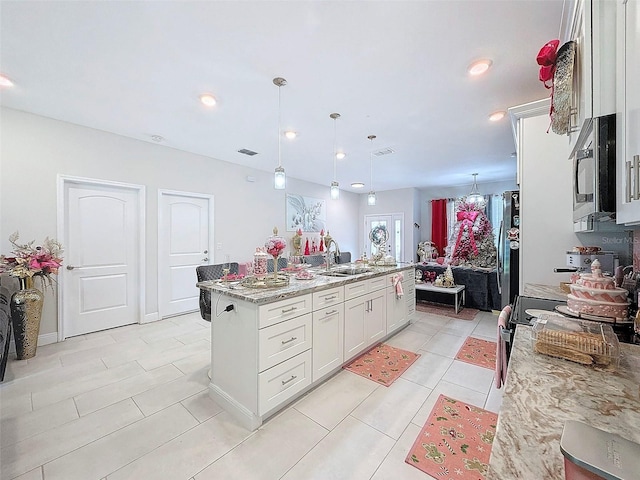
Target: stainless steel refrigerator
x,y
509,248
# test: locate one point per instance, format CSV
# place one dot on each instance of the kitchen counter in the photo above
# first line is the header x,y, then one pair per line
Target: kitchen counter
x,y
270,346
542,392
297,287
547,292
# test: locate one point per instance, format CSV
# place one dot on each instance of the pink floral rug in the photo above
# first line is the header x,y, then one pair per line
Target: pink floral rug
x,y
478,352
383,364
455,442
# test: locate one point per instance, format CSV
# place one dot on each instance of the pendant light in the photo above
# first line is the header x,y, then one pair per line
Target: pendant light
x,y
474,196
335,190
371,198
280,179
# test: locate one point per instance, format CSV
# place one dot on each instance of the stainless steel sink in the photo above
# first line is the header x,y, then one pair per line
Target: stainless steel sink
x,y
344,272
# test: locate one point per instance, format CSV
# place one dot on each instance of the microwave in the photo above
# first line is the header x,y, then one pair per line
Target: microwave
x,y
594,171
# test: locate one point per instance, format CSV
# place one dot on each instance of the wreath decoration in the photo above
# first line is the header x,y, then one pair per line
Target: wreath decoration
x,y
379,235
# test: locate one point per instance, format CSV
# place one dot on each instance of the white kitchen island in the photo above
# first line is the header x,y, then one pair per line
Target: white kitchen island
x,y
276,344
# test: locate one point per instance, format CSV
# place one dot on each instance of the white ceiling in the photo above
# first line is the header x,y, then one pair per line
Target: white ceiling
x,y
395,69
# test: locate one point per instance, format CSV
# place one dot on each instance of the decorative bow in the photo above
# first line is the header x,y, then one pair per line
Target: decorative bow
x,y
467,218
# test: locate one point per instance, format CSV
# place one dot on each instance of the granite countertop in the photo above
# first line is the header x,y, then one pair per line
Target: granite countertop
x,y
547,292
542,392
297,287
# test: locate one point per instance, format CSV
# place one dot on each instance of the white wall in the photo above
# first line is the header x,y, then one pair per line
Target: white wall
x,y
34,150
390,202
546,208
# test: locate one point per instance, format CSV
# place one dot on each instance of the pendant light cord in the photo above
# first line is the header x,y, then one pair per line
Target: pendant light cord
x,y
335,129
371,137
279,126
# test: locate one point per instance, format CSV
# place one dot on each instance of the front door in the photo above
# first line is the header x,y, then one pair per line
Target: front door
x,y
184,239
101,278
394,226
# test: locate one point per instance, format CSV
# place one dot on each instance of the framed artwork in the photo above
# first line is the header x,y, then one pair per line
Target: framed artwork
x,y
306,213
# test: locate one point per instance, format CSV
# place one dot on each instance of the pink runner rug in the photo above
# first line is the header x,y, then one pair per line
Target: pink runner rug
x,y
455,442
383,364
478,352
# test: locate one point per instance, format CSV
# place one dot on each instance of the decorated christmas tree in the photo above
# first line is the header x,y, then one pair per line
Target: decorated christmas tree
x,y
472,242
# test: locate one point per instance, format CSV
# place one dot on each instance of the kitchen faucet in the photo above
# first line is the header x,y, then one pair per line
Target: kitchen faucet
x,y
327,245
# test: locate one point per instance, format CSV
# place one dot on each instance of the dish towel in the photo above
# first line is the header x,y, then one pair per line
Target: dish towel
x,y
501,348
396,281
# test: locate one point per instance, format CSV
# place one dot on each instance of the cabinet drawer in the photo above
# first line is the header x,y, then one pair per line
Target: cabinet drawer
x,y
327,298
377,283
352,290
276,312
280,383
283,340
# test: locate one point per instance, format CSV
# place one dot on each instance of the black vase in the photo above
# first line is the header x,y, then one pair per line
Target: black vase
x,y
26,312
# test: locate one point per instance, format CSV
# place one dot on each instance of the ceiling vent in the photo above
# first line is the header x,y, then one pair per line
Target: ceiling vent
x,y
383,151
245,151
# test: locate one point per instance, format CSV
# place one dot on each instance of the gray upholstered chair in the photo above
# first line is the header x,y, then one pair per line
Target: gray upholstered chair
x,y
211,272
344,257
5,329
314,260
282,263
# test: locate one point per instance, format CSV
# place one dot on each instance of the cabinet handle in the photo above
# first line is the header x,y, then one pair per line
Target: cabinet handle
x,y
293,377
330,298
287,310
636,183
627,183
292,339
332,312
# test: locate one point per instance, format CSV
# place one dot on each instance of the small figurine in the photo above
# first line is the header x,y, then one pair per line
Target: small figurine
x,y
314,249
297,242
306,247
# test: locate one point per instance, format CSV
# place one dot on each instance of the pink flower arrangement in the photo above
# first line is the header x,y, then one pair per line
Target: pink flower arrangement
x,y
28,260
275,246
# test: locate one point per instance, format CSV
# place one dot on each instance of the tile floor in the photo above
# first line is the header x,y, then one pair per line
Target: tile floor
x,y
132,403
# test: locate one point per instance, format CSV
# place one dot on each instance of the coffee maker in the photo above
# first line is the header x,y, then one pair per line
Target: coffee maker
x,y
582,261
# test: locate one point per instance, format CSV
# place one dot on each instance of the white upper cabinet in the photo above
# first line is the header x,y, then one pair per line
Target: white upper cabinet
x,y
628,112
592,25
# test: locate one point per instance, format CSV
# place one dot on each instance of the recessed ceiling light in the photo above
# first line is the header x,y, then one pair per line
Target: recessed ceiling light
x,y
157,138
495,116
208,99
357,185
4,81
340,155
479,66
290,134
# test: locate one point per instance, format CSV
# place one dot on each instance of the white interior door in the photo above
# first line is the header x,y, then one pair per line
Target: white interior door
x,y
184,239
394,224
102,288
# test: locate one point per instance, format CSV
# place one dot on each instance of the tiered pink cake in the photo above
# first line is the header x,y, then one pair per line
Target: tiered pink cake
x,y
596,294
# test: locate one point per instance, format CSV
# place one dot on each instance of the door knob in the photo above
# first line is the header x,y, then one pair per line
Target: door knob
x,y
205,252
70,267
205,259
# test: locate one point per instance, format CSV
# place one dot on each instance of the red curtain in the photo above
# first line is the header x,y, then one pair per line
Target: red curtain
x,y
439,224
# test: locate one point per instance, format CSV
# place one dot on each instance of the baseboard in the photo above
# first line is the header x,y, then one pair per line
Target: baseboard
x,y
242,415
44,339
151,317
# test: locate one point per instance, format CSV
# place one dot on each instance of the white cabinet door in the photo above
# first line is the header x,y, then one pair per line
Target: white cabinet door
x,y
396,310
376,318
328,340
628,102
355,311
